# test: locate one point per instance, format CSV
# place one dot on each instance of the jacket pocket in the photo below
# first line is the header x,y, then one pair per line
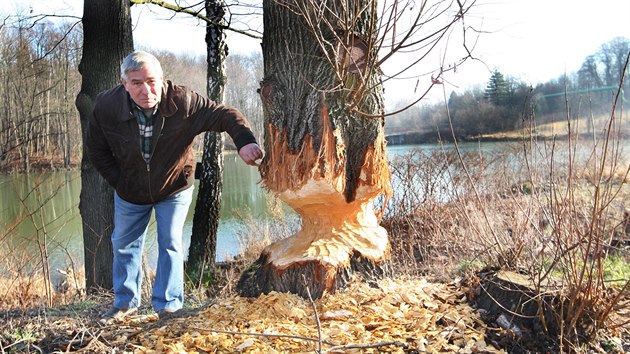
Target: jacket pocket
x,y
122,144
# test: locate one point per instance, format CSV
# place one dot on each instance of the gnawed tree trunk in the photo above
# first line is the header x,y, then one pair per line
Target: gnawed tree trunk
x,y
203,243
107,39
323,158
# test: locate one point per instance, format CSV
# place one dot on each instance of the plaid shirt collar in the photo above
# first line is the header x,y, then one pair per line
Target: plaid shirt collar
x,y
145,123
139,114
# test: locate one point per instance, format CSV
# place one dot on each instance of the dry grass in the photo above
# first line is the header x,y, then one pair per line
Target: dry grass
x,y
545,208
23,286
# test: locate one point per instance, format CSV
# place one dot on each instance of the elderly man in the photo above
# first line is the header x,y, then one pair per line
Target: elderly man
x,y
140,140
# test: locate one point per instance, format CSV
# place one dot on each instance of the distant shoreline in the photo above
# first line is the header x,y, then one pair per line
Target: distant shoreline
x,y
434,138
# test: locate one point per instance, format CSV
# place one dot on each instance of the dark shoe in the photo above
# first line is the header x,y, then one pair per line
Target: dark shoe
x,y
115,314
166,314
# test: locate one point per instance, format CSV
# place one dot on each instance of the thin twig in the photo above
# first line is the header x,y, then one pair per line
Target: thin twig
x,y
319,325
473,185
264,335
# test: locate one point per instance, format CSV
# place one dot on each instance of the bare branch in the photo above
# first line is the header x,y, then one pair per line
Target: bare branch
x,y
57,43
396,27
191,10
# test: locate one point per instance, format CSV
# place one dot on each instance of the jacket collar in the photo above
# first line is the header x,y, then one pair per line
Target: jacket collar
x,y
167,105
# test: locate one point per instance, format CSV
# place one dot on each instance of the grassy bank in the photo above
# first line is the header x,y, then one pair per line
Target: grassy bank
x,y
585,128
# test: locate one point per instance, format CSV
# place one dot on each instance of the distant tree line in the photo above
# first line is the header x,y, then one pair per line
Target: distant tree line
x,y
501,105
39,123
38,67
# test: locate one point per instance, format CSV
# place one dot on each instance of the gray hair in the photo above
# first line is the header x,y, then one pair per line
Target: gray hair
x,y
136,60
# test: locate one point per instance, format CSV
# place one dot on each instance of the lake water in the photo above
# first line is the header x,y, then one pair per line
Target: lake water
x,y
58,222
58,225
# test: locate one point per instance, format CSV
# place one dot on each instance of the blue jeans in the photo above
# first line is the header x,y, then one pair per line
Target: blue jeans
x,y
130,227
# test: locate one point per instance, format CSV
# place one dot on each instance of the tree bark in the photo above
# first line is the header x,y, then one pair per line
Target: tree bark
x,y
107,38
203,243
324,158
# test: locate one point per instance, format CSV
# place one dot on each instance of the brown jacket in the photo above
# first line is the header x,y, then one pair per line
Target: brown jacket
x,y
113,141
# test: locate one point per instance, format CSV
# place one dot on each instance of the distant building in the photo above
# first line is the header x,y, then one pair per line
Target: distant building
x,y
396,139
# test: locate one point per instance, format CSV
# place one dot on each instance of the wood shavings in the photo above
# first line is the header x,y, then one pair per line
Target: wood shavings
x,y
399,315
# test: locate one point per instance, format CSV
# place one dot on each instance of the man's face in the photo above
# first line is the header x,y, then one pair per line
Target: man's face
x,y
144,86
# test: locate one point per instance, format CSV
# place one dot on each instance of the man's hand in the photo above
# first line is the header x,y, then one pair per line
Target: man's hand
x,y
250,153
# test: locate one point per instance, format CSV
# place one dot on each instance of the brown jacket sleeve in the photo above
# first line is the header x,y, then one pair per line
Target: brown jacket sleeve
x,y
207,115
99,152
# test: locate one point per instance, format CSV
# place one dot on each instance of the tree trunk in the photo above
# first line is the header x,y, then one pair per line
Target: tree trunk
x,y
203,243
323,158
107,39
67,137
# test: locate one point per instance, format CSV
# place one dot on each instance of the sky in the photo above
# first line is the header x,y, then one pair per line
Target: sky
x,y
530,40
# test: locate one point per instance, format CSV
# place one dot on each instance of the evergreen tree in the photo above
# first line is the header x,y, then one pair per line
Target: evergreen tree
x,y
497,89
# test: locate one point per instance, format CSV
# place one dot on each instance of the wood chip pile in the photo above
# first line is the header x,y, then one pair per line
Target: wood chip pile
x,y
397,316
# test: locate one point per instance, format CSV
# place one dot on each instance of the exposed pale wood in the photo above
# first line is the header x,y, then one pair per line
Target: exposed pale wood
x,y
331,228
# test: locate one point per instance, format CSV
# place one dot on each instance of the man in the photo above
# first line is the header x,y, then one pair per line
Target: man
x,y
140,140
